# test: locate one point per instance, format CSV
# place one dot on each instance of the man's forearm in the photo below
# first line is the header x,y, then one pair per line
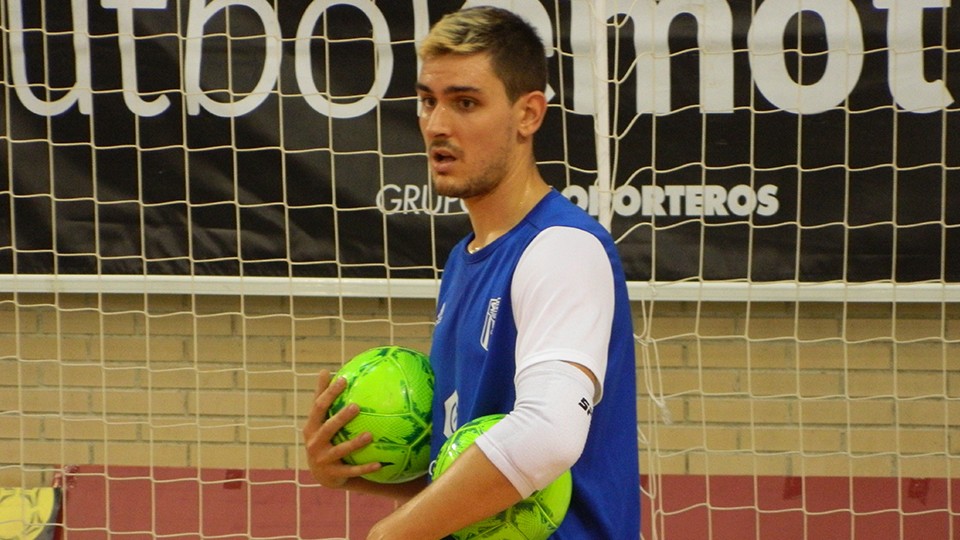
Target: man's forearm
x,y
399,492
470,490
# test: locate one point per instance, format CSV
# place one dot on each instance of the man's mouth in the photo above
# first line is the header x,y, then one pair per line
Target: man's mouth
x,y
442,155
442,158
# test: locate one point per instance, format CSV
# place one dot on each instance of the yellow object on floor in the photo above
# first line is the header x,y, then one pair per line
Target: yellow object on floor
x,y
28,514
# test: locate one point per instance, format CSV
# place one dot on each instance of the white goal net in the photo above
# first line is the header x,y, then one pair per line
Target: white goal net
x,y
204,203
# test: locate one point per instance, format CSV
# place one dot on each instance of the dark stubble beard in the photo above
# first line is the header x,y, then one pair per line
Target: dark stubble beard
x,y
481,184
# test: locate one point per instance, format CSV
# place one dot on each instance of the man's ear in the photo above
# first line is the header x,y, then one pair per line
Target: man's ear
x,y
531,109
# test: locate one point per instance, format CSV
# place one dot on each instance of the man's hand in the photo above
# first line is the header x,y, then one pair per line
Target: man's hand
x,y
323,456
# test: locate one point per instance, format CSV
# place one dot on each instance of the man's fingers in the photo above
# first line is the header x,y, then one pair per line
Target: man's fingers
x,y
343,470
327,390
325,456
350,446
323,381
326,430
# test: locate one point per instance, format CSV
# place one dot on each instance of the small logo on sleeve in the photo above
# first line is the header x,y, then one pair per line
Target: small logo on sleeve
x,y
586,406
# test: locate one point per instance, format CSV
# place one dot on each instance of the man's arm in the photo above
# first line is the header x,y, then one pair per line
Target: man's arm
x,y
540,438
472,489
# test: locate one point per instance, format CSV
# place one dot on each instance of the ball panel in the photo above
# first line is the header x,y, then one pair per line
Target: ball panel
x,y
379,386
534,518
418,390
489,530
393,387
399,463
528,517
394,428
554,500
461,439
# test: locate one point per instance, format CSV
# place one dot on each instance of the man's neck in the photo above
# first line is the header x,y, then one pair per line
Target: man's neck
x,y
494,214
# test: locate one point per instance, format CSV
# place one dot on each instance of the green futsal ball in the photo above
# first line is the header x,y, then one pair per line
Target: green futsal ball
x,y
534,518
393,386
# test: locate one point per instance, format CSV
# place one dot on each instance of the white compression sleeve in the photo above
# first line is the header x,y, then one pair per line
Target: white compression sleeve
x,y
545,433
563,301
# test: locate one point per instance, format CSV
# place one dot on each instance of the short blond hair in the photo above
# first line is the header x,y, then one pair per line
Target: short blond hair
x,y
515,49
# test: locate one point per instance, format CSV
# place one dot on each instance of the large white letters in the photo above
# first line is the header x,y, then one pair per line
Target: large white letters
x,y
905,60
651,22
128,56
844,55
304,64
80,93
196,96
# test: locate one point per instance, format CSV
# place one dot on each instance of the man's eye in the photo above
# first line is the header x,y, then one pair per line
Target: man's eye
x,y
467,104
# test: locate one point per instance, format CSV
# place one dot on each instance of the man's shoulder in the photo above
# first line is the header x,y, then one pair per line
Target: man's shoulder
x,y
557,210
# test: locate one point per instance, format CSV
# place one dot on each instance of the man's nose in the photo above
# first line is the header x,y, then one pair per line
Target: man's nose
x,y
437,121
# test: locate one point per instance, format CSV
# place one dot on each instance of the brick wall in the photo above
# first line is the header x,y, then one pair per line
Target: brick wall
x,y
217,381
812,389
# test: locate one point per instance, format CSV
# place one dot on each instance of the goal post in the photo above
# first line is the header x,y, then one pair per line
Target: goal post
x,y
425,288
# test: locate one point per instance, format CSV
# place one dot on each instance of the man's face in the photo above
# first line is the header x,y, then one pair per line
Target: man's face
x,y
468,124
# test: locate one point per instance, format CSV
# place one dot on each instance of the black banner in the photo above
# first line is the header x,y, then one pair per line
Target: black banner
x,y
749,140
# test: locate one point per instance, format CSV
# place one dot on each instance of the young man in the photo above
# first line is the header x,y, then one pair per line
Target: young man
x,y
533,317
